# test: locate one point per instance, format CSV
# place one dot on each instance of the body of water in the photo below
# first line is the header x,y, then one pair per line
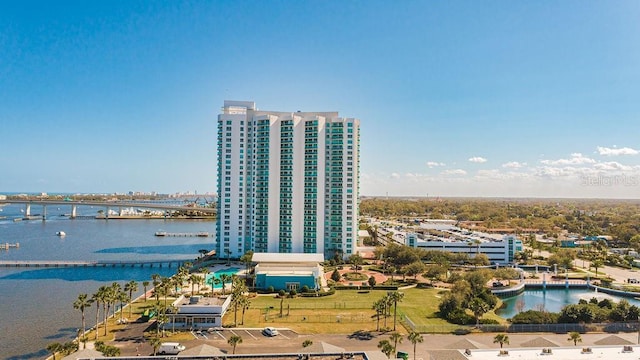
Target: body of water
x,y
37,303
552,300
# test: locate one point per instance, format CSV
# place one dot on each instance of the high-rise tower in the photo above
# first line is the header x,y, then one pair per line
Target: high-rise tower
x,y
287,182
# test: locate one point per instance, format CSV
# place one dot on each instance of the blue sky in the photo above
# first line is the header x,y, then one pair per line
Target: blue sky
x,y
456,98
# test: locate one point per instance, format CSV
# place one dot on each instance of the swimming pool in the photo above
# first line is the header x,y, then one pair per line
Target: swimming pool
x,y
218,274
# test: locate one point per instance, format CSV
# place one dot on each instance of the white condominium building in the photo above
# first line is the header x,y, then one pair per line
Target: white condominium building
x,y
287,182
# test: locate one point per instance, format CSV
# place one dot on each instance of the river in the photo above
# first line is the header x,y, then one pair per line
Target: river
x,y
37,303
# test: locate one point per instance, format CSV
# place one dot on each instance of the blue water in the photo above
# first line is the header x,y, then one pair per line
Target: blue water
x,y
552,300
217,274
37,303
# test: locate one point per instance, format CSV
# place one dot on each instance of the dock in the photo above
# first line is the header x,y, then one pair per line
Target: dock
x,y
168,234
7,246
98,263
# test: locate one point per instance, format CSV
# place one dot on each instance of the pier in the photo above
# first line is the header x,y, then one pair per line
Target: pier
x,y
98,263
168,234
7,246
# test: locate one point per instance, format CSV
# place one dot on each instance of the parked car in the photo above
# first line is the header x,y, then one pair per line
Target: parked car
x,y
269,331
498,284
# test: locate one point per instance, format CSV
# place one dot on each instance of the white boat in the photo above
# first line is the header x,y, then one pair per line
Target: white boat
x,y
61,233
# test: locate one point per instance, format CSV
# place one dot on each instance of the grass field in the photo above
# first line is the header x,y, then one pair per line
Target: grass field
x,y
344,312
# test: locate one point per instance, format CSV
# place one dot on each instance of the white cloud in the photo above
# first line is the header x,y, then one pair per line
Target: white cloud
x,y
605,151
575,159
612,166
395,176
432,164
454,172
477,159
514,165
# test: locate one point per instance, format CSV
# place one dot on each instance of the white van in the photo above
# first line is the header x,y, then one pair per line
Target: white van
x,y
171,348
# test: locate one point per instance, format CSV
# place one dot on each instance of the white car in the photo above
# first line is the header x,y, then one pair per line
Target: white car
x,y
269,331
171,348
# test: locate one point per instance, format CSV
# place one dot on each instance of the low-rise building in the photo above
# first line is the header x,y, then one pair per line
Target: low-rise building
x,y
198,312
288,271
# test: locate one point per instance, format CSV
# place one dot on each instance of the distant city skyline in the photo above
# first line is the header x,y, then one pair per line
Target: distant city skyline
x,y
456,99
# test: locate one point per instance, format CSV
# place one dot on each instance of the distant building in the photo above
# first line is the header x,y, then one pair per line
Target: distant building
x,y
288,271
498,248
287,182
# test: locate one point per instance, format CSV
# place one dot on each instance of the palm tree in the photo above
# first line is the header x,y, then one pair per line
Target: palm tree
x,y
155,344
98,297
109,299
575,337
479,308
597,263
501,339
194,279
224,278
246,303
234,340
386,348
156,281
122,298
81,304
415,338
397,339
238,288
395,297
379,307
131,287
145,284
246,259
213,281
54,348
165,288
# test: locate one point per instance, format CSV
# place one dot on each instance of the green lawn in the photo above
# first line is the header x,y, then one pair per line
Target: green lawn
x,y
350,308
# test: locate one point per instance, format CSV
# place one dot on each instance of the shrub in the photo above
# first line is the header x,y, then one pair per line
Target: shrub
x,y
305,289
271,289
335,275
293,293
535,317
282,293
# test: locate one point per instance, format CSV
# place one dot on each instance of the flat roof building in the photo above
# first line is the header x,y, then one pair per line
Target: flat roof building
x,y
288,271
498,248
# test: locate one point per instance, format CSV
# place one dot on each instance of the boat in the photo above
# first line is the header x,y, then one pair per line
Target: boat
x,y
61,233
202,234
161,233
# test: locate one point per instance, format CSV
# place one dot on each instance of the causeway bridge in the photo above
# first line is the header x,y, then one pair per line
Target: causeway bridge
x,y
97,263
120,205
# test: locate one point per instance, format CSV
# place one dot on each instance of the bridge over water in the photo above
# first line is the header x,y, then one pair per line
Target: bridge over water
x,y
98,263
193,210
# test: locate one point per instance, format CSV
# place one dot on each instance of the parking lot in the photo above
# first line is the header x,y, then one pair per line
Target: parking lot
x,y
254,334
